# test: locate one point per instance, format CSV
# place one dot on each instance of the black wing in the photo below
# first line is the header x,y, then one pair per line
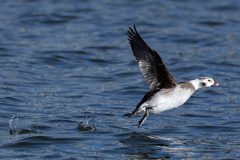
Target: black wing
x,y
151,65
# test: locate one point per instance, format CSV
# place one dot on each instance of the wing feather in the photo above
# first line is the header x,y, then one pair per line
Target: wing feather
x,y
150,63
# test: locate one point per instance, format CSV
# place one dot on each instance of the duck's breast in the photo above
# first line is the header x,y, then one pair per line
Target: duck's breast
x,y
169,98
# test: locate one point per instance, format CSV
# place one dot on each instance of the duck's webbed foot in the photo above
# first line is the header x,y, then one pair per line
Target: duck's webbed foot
x,y
143,118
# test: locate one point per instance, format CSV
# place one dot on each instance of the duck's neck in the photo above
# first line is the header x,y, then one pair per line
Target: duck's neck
x,y
195,83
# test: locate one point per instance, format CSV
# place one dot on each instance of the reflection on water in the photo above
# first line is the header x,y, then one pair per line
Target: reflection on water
x,y
142,146
68,75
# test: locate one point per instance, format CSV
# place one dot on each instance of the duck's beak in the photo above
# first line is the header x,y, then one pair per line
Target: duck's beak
x,y
216,83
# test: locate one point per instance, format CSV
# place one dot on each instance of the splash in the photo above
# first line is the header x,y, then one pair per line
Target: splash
x,y
88,123
14,127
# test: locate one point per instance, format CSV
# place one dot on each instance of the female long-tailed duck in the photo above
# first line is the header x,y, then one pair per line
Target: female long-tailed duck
x,y
165,93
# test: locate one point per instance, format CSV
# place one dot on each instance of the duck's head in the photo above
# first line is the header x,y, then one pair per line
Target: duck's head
x,y
207,82
204,82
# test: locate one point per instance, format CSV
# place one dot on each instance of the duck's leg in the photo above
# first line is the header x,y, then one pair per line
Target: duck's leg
x,y
143,118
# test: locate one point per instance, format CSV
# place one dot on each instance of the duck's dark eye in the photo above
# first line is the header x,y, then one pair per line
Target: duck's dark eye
x,y
209,80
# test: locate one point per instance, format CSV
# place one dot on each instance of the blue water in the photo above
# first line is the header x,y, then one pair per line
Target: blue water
x,y
68,75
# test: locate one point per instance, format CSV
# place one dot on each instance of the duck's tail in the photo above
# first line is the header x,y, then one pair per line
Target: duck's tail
x,y
130,114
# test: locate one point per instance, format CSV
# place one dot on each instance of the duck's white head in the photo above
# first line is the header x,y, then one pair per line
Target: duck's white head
x,y
204,82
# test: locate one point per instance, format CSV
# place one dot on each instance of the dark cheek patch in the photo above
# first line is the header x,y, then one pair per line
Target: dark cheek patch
x,y
203,84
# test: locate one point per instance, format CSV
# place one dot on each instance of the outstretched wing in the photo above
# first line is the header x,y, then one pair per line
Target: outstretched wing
x,y
151,65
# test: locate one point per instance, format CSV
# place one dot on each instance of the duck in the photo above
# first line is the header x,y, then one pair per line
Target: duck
x,y
164,92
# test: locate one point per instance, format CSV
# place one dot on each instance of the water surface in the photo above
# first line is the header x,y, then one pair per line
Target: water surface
x,y
68,75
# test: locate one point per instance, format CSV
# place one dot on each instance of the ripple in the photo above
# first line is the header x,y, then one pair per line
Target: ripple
x,y
196,115
98,61
211,23
3,49
214,128
47,19
142,139
184,39
40,141
61,121
103,48
21,131
225,8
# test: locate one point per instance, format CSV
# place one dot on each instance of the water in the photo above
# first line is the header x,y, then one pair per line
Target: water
x,y
68,75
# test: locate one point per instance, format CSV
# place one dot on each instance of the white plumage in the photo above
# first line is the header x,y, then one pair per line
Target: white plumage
x,y
165,93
